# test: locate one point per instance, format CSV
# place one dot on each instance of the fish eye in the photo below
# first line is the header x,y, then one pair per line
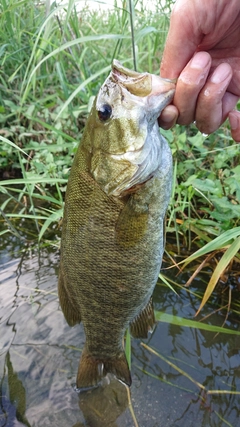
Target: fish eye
x,y
105,112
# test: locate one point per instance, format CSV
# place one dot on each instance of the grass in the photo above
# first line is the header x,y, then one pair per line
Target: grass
x,y
54,57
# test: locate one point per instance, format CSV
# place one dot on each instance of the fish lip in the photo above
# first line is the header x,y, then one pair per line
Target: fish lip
x,y
118,68
141,84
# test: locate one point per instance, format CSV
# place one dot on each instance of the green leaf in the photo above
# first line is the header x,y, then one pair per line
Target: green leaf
x,y
208,186
226,208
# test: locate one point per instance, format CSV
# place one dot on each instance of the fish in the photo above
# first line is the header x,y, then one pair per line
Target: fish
x,y
112,239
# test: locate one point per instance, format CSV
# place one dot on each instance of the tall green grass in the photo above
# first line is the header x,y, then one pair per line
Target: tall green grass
x,y
54,57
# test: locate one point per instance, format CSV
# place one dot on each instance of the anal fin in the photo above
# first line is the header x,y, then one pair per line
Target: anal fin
x,y
144,322
92,370
71,314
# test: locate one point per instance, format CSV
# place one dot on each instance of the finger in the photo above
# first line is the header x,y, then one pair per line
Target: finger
x,y
183,38
168,117
233,59
229,102
234,120
189,84
213,105
219,113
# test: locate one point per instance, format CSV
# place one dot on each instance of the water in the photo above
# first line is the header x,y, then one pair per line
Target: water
x,y
39,355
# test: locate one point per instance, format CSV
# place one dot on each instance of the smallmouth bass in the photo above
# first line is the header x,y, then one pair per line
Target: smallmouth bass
x,y
113,226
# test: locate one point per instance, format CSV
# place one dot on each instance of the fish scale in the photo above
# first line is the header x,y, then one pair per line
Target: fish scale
x,y
113,232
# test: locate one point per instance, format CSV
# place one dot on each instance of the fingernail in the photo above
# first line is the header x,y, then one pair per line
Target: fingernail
x,y
200,60
221,73
233,120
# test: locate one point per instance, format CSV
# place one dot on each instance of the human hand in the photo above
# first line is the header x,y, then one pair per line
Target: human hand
x,y
203,51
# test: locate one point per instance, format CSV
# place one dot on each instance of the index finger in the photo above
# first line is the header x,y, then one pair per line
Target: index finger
x,y
183,38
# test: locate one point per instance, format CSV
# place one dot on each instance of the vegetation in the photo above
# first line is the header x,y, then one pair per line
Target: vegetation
x,y
54,57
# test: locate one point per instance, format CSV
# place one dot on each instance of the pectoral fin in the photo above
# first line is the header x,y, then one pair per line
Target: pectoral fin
x,y
132,224
71,313
144,322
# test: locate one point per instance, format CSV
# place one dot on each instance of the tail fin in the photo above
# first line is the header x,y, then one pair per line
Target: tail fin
x,y
92,370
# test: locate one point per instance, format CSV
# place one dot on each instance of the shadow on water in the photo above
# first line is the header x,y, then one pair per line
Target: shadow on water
x,y
39,355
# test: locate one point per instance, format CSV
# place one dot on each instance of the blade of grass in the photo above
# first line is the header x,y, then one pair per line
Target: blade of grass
x,y
131,407
52,128
34,51
54,217
43,197
222,265
222,419
4,232
29,190
164,280
167,382
188,323
39,291
34,217
223,392
10,227
185,374
131,17
7,141
218,243
33,180
128,348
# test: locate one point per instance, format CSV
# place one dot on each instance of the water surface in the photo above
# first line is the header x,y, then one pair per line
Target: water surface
x,y
39,355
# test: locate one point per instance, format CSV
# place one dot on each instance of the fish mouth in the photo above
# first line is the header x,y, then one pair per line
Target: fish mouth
x,y
142,84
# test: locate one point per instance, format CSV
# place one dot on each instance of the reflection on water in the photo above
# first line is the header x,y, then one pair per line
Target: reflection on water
x,y
102,406
39,356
